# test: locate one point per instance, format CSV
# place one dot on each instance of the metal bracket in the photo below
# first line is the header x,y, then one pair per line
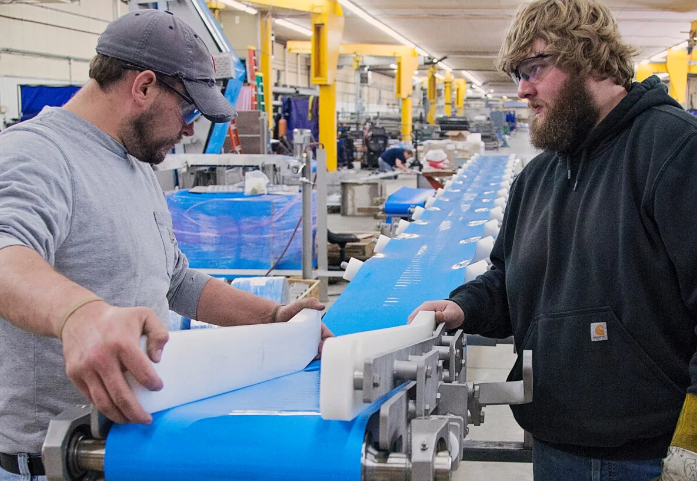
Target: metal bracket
x,y
59,441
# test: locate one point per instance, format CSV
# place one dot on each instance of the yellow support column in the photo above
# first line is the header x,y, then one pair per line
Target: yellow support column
x,y
406,66
265,65
677,66
448,92
407,119
327,30
431,95
460,94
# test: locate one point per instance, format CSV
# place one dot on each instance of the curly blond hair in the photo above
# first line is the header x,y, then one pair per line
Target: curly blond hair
x,y
581,34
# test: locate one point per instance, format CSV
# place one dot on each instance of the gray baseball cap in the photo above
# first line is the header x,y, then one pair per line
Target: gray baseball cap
x,y
159,41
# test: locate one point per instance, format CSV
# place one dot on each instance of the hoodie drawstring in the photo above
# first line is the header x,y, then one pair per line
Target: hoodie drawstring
x,y
584,155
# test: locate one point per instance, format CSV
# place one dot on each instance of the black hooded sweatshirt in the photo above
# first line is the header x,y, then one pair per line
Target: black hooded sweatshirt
x,y
595,271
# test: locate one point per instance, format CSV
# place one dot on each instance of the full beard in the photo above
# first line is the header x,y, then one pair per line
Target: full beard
x,y
141,141
568,120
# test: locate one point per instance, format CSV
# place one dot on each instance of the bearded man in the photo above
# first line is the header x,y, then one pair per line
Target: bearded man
x,y
88,258
595,266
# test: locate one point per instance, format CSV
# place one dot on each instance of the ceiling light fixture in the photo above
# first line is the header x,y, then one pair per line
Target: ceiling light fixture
x,y
393,65
296,28
471,78
440,76
353,8
240,6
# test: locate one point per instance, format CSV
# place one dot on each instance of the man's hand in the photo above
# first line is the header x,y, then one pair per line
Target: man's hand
x,y
101,343
447,312
286,313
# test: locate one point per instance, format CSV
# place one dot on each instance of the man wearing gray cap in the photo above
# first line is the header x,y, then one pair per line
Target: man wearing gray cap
x,y
88,259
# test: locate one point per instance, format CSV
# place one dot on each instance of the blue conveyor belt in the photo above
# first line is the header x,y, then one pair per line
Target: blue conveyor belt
x,y
272,431
405,198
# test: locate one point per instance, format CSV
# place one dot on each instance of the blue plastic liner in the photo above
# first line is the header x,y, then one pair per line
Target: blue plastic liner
x,y
272,288
402,200
272,431
234,231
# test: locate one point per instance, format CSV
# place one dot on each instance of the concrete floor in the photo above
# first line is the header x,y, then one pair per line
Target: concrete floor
x,y
485,364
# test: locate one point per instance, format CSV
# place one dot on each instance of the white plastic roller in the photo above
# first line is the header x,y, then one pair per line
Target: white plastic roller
x,y
518,168
345,355
418,210
352,268
429,202
483,249
439,193
472,271
500,202
496,213
506,184
381,243
502,192
448,184
402,226
491,228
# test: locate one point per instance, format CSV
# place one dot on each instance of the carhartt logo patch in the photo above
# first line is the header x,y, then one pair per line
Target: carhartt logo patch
x,y
599,331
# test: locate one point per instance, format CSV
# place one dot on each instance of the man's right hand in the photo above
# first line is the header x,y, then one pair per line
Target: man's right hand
x,y
101,343
447,312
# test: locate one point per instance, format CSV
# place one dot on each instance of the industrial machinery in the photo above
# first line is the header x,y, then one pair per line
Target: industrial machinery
x,y
414,425
384,404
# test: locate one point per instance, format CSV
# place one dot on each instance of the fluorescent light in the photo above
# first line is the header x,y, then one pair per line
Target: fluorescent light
x,y
440,76
393,65
645,62
471,78
446,67
294,27
680,46
353,8
422,52
659,56
240,6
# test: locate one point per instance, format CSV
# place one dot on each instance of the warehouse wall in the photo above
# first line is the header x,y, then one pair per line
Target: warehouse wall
x,y
48,44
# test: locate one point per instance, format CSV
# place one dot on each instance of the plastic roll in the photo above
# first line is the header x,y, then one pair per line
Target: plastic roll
x,y
448,184
439,193
352,268
402,226
483,249
472,271
272,288
518,168
506,184
381,243
454,177
496,213
491,228
500,202
502,192
507,177
418,210
429,202
508,171
206,362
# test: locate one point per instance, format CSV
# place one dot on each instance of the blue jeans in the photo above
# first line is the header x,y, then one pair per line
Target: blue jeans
x,y
550,464
5,476
384,166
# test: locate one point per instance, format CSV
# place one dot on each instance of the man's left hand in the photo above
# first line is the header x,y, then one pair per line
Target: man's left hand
x,y
286,313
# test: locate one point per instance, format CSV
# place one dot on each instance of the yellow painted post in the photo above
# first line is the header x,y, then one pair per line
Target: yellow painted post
x,y
431,95
448,92
407,119
327,30
677,66
406,66
265,65
460,94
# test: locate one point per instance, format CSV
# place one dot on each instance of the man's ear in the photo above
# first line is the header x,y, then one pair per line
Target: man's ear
x,y
143,88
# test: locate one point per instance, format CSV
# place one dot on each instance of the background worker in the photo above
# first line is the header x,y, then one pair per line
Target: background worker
x,y
395,158
595,266
88,258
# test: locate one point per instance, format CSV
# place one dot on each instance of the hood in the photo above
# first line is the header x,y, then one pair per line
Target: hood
x,y
642,96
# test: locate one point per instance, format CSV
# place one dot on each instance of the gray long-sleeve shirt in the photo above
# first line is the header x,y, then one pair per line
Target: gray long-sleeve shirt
x,y
73,194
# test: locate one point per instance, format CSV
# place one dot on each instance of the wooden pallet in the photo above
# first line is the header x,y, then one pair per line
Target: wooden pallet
x,y
303,288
